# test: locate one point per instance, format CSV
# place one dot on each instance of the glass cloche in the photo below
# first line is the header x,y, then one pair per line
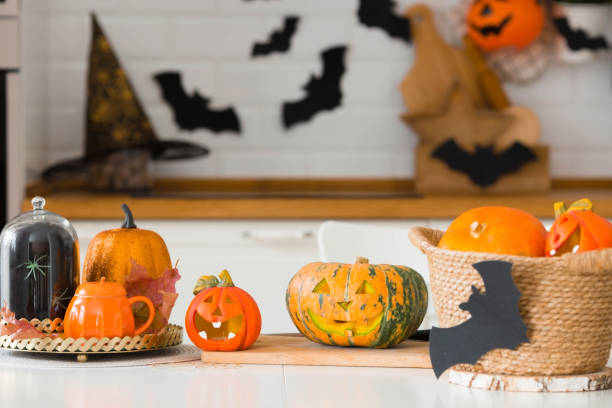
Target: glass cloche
x,y
39,263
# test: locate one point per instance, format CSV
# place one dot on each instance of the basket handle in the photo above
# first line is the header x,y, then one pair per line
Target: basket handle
x,y
424,238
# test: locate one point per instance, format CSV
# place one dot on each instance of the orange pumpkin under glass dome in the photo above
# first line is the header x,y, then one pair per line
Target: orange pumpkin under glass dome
x,y
494,24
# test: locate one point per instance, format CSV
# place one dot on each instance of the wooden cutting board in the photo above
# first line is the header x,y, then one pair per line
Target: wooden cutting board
x,y
298,350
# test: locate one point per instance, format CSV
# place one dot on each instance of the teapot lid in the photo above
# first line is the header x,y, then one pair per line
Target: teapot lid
x,y
100,289
38,215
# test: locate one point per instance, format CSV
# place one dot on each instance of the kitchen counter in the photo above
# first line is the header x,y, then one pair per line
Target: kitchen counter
x,y
193,385
305,199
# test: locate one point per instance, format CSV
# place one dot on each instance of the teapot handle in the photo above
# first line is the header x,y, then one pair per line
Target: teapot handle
x,y
149,304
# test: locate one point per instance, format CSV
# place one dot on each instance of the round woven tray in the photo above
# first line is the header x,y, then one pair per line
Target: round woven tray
x,y
566,303
171,336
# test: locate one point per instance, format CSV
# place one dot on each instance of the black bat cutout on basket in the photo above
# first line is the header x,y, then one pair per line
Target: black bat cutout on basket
x,y
192,111
492,29
484,166
495,321
279,41
578,39
323,92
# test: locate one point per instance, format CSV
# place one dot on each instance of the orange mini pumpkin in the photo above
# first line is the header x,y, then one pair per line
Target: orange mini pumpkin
x,y
494,24
112,253
496,230
222,317
578,229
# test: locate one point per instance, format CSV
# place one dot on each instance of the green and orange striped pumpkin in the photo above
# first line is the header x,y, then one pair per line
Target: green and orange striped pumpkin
x,y
357,304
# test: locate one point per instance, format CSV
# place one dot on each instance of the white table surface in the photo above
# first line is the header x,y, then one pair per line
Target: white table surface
x,y
193,385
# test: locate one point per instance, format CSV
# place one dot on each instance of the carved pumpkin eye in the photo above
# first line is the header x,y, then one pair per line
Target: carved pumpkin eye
x,y
364,288
208,300
228,300
321,287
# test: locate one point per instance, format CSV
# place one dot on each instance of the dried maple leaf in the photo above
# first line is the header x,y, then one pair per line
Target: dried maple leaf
x,y
161,291
17,329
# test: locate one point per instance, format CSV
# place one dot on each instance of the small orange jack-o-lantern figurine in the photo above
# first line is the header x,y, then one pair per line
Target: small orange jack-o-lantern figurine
x,y
356,304
494,24
222,317
577,229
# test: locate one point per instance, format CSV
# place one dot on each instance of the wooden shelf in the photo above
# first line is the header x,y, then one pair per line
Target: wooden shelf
x,y
307,199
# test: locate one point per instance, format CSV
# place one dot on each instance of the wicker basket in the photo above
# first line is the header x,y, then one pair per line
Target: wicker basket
x,y
566,303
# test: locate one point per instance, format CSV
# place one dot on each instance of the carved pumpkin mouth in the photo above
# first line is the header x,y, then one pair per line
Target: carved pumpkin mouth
x,y
492,29
345,328
218,331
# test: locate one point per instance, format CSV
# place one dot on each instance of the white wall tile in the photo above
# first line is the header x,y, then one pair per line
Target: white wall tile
x,y
133,36
373,43
316,33
346,163
264,81
260,163
317,7
582,127
554,87
66,84
576,163
228,37
593,83
68,36
374,83
66,128
168,6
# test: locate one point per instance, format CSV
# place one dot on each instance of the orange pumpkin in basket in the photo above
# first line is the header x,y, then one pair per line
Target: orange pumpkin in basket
x,y
496,230
578,229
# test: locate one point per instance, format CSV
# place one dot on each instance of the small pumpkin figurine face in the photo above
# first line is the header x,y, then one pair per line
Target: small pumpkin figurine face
x,y
577,229
494,24
222,317
356,305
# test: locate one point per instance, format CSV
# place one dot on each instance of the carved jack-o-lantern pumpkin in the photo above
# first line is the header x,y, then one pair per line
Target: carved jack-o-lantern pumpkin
x,y
494,24
222,317
577,229
357,305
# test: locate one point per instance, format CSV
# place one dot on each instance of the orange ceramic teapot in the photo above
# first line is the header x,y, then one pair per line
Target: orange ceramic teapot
x,y
102,309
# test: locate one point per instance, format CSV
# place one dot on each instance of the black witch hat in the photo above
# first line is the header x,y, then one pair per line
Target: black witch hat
x,y
115,117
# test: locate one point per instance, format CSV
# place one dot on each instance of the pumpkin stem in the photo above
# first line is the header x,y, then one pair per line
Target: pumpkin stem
x,y
226,279
476,228
362,260
129,218
560,208
584,204
205,282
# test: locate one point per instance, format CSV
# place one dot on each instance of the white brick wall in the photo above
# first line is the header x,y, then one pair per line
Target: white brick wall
x,y
210,42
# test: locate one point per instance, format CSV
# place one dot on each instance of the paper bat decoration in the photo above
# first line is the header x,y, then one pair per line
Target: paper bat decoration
x,y
578,39
484,166
192,111
322,93
379,14
492,29
495,321
280,40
